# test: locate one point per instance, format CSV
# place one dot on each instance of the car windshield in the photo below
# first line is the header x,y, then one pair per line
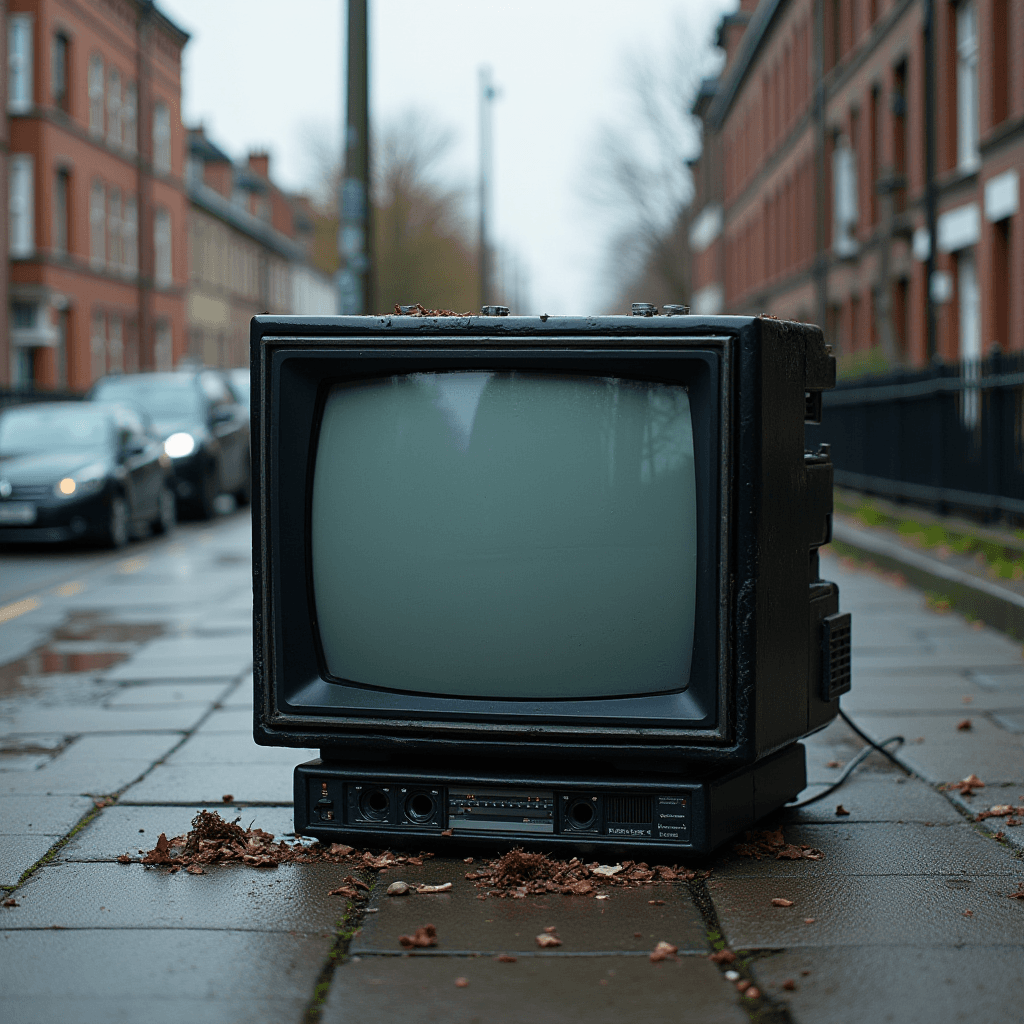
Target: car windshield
x,y
33,430
239,380
162,397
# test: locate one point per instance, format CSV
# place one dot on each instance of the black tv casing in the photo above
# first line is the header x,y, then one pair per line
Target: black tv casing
x,y
767,668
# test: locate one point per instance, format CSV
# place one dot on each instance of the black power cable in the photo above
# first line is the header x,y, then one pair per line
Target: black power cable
x,y
857,761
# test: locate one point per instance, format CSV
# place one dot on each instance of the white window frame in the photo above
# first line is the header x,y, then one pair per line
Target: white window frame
x,y
97,225
845,213
967,92
130,117
96,80
163,270
115,237
20,81
21,205
98,344
161,138
130,236
114,107
969,308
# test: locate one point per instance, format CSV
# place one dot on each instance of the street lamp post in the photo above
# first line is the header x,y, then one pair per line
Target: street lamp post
x,y
488,94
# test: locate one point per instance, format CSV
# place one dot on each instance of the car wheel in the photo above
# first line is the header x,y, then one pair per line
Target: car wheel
x,y
208,494
167,516
116,532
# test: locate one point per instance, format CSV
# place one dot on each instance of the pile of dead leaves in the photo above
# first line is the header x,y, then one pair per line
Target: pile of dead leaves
x,y
773,844
518,874
212,840
965,787
418,310
1013,815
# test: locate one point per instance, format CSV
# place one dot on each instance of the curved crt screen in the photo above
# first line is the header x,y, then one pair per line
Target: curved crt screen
x,y
506,535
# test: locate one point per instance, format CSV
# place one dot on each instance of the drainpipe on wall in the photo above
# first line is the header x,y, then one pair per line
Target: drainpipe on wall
x,y
820,181
931,197
144,203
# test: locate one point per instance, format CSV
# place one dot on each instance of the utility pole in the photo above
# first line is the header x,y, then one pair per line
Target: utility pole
x,y
487,96
355,226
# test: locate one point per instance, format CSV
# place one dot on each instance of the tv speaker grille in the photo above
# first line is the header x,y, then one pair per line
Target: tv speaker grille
x,y
629,810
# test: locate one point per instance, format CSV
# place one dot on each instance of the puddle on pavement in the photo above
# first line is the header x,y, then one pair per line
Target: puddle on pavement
x,y
84,642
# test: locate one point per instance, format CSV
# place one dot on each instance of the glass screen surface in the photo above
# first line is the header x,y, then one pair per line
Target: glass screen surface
x,y
506,535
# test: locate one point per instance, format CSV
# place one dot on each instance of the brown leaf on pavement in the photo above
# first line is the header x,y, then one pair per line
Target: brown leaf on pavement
x,y
780,902
789,985
723,956
124,859
964,725
11,902
462,982
662,951
841,811
424,936
1019,894
504,958
965,787
227,798
753,993
195,869
443,887
350,892
545,940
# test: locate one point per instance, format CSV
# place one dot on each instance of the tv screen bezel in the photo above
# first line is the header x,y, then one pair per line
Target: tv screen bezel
x,y
298,372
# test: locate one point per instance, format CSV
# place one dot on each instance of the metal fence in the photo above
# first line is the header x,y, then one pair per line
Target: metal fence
x,y
21,396
947,436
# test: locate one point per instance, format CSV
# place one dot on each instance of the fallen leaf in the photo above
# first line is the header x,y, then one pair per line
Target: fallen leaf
x,y
1019,894
545,940
809,920
398,888
195,869
11,902
656,903
504,958
424,936
964,725
638,935
662,951
780,902
743,985
968,913
227,798
753,993
551,929
607,870
340,850
603,896
124,859
462,982
350,892
723,956
443,887
468,860
448,832
833,764
789,985
841,811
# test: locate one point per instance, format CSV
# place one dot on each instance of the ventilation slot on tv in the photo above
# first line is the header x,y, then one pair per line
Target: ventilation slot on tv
x,y
835,672
629,810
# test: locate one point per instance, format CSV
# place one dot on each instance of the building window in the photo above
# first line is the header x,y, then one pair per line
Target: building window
x,y
969,302
129,118
163,348
21,206
97,226
115,345
968,157
59,72
96,94
115,241
161,138
19,64
844,198
98,344
61,191
114,107
130,236
162,248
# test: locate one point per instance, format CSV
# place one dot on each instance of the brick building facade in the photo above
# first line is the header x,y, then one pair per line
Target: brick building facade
x,y
832,157
96,201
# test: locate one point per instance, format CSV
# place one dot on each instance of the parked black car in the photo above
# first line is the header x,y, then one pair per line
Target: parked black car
x,y
204,429
81,471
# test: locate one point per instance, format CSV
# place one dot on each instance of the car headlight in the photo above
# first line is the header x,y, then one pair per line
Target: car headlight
x,y
83,483
179,445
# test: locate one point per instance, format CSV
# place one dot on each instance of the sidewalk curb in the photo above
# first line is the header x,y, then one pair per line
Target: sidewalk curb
x,y
994,605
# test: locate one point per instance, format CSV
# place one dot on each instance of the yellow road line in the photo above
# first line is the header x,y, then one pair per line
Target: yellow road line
x,y
131,565
12,611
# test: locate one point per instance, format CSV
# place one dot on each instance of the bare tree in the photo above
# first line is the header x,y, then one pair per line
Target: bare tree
x,y
424,244
640,180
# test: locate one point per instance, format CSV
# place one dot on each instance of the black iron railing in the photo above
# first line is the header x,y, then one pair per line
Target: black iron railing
x,y
947,436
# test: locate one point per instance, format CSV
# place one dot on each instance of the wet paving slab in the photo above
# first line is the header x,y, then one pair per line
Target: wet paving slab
x,y
158,976
532,990
874,797
19,853
160,694
205,783
234,897
920,984
626,921
129,828
28,815
890,910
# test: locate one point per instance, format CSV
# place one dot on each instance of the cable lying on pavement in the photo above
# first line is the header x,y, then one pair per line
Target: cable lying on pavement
x,y
857,761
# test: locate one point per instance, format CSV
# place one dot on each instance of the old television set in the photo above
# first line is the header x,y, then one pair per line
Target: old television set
x,y
541,579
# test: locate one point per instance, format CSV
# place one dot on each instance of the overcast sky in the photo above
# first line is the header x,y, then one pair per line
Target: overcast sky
x,y
259,79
